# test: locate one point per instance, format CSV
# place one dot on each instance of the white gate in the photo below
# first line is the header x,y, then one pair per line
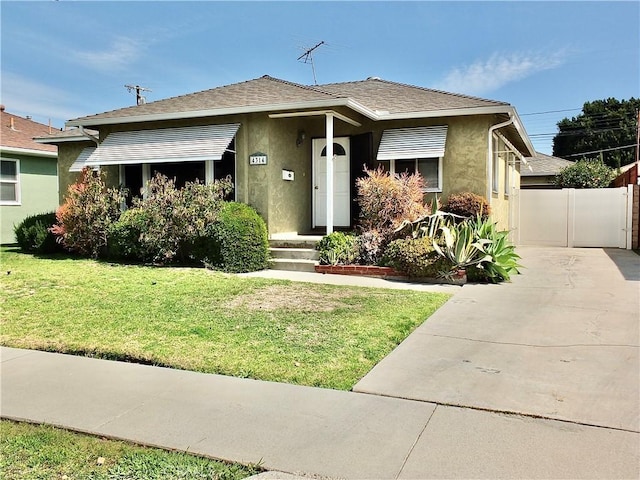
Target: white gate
x,y
594,217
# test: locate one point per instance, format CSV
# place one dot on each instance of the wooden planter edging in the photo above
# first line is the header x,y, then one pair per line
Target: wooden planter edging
x,y
387,272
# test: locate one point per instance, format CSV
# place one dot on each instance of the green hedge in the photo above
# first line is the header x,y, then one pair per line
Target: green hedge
x,y
33,234
239,242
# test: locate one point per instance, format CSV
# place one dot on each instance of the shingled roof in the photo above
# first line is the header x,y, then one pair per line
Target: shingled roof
x,y
264,93
19,132
543,164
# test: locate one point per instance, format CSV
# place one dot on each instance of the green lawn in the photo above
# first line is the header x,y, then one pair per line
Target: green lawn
x,y
44,452
200,320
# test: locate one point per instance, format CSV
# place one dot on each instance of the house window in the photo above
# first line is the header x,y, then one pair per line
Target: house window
x,y
497,158
10,182
429,168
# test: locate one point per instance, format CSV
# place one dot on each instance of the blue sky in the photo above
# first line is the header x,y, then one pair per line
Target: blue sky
x,y
64,59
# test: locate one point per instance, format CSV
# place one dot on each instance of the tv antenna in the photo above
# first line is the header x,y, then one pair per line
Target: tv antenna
x,y
307,57
140,100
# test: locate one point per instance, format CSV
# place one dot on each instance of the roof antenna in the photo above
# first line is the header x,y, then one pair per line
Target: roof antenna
x,y
307,57
140,100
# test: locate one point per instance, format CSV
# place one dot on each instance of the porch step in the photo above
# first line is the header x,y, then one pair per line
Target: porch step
x,y
305,242
294,265
294,253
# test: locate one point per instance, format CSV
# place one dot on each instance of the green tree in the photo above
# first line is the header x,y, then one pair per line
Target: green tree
x,y
602,125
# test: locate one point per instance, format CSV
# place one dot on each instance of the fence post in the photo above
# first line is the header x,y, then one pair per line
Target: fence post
x,y
571,220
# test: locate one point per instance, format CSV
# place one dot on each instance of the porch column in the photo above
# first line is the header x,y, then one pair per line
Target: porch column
x,y
329,135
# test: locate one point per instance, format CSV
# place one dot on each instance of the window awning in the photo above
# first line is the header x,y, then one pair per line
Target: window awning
x,y
408,143
81,161
181,144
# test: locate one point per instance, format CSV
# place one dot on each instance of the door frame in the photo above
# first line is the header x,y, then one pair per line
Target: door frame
x,y
345,141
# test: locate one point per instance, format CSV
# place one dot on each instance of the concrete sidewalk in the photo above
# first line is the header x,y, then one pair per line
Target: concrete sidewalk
x,y
559,342
302,430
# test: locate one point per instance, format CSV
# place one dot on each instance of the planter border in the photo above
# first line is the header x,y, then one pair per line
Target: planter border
x,y
387,273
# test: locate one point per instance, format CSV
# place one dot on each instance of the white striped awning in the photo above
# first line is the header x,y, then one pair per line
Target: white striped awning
x,y
181,144
408,143
81,161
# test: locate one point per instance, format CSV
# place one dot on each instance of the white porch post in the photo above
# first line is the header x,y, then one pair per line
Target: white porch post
x,y
329,129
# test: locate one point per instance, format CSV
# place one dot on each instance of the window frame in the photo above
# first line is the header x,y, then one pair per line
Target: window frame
x,y
392,170
16,182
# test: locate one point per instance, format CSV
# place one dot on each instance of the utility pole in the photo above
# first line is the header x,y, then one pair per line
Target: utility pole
x,y
638,146
307,57
140,100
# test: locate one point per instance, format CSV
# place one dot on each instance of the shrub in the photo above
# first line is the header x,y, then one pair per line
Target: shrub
x,y
83,220
33,234
467,204
416,257
124,240
585,174
387,200
237,242
369,246
337,248
174,219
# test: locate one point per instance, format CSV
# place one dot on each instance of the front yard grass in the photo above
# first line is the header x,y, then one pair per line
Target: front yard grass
x,y
40,451
195,319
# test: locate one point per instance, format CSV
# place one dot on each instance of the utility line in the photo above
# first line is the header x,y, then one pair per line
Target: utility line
x,y
600,151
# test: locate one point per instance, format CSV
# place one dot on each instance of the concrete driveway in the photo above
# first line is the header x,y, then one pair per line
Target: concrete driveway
x,y
560,342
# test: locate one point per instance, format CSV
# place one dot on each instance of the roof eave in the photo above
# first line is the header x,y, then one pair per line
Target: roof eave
x,y
56,140
207,113
28,151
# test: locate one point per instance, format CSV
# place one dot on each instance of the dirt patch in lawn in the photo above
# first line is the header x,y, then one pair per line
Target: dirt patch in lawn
x,y
291,297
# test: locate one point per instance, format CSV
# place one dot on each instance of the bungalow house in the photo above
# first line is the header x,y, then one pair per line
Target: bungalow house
x,y
29,176
541,171
295,151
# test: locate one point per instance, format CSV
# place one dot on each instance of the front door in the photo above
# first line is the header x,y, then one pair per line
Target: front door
x,y
341,185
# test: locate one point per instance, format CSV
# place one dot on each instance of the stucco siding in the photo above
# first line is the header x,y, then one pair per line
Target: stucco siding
x,y
38,193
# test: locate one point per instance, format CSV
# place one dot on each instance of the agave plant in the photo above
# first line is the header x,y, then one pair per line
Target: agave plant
x,y
501,260
460,246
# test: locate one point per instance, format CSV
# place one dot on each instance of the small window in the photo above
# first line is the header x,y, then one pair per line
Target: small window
x,y
429,168
10,182
508,168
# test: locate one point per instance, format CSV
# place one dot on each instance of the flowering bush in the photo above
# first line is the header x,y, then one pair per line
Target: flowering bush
x,y
84,219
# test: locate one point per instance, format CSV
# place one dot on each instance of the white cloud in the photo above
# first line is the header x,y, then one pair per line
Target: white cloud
x,y
24,96
486,76
122,52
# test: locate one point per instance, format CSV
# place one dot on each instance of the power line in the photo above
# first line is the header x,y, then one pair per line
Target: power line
x,y
600,151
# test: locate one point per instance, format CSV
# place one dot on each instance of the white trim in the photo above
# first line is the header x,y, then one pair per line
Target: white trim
x,y
311,113
16,182
61,139
28,151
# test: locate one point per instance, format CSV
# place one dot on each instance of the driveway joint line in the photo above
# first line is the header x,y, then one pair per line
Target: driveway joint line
x,y
574,345
418,437
503,412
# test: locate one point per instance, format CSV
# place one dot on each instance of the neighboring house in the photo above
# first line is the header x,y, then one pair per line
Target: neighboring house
x,y
29,176
541,170
274,138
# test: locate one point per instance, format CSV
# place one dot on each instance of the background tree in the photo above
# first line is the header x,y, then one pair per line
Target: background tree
x,y
602,125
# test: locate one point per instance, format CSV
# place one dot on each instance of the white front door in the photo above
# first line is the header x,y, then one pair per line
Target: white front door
x,y
341,183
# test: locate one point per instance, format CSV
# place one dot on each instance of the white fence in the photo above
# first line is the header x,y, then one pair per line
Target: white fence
x,y
570,217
